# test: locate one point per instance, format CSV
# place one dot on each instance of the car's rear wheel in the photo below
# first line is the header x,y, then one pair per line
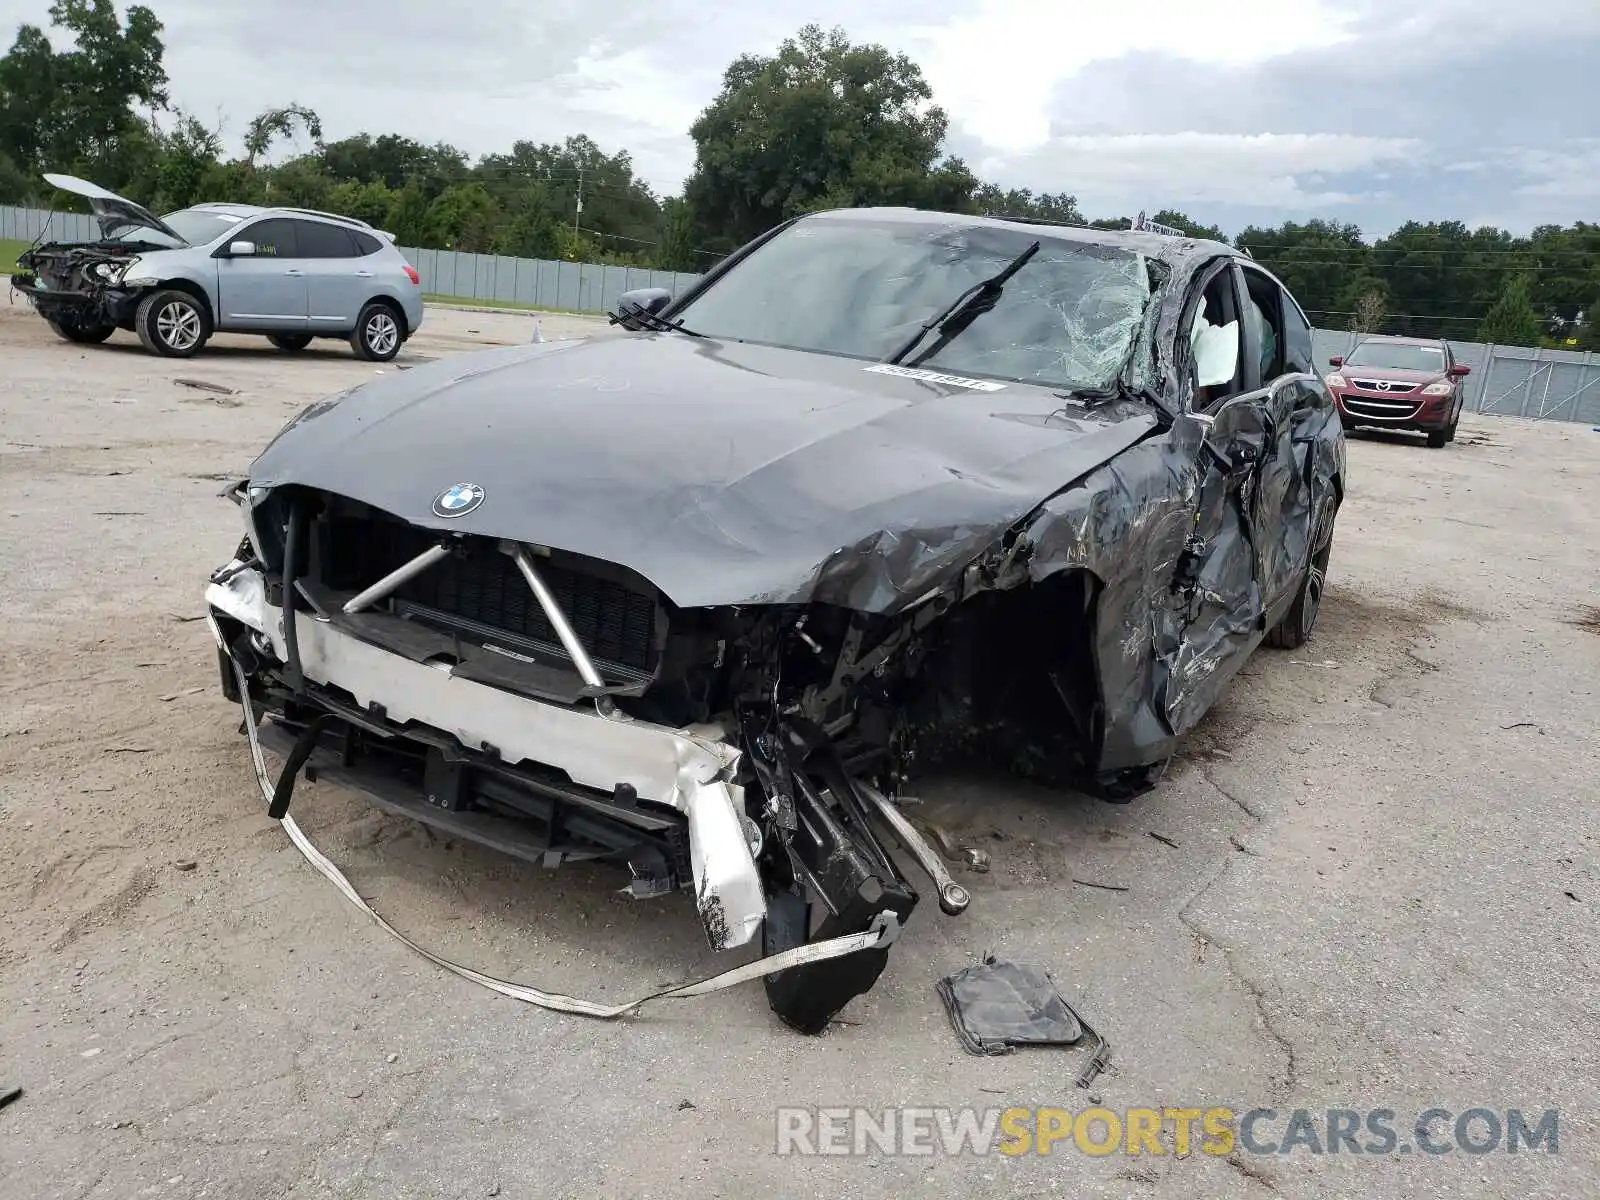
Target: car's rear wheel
x,y
290,341
172,324
378,333
83,335
1294,630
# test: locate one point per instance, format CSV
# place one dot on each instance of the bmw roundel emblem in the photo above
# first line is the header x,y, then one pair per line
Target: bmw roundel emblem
x,y
457,501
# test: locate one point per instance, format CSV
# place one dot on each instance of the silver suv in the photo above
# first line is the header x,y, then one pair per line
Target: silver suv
x,y
291,274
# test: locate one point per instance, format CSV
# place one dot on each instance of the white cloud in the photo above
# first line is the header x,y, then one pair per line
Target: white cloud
x,y
996,69
1179,170
1569,173
1268,108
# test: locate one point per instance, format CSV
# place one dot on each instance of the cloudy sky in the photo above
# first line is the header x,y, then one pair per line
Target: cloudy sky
x,y
1236,111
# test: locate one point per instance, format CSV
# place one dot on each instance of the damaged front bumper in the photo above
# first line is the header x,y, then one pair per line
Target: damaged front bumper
x,y
106,305
798,860
607,762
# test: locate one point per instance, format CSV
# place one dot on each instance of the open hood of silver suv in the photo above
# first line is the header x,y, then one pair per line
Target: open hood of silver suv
x,y
115,215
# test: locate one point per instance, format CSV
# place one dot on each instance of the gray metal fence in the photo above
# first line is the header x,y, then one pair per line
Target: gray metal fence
x,y
575,287
1510,380
28,224
1513,381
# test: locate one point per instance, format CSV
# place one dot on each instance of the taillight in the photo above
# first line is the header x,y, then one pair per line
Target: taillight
x,y
411,274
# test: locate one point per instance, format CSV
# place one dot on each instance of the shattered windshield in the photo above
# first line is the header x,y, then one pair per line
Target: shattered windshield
x,y
860,287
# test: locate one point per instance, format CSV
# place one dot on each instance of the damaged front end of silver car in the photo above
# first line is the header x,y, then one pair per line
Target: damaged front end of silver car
x,y
557,708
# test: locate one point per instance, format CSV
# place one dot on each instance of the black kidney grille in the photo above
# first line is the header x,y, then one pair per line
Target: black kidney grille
x,y
614,622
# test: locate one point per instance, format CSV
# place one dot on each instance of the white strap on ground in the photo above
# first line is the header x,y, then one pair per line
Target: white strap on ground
x,y
880,934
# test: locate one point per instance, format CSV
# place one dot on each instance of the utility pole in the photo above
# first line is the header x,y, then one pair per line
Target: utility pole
x,y
578,211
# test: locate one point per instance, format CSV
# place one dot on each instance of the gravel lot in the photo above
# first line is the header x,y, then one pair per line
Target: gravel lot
x,y
1382,894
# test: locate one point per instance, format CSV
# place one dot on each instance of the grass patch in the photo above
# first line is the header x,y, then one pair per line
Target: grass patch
x,y
9,249
508,305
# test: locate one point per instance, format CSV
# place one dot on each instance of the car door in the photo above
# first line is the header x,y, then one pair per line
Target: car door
x,y
1294,411
265,290
1217,583
337,280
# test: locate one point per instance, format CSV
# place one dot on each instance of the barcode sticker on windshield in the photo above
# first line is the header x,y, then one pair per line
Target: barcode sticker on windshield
x,y
977,385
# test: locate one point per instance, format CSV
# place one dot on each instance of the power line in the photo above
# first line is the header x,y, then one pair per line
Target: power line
x,y
1336,312
1283,263
1528,251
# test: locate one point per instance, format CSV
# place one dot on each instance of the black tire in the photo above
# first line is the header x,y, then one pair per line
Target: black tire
x,y
290,341
1437,438
379,332
1294,630
83,335
1455,421
173,324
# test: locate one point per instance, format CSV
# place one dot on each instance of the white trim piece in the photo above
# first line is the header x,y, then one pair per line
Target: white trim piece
x,y
961,381
687,769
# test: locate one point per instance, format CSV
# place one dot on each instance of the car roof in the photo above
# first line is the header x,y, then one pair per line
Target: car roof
x,y
1177,252
250,210
1397,340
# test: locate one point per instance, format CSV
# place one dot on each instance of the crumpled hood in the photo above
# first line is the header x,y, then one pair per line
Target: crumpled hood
x,y
113,213
723,473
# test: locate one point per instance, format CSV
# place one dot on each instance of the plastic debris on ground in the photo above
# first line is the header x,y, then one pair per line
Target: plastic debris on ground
x,y
996,1007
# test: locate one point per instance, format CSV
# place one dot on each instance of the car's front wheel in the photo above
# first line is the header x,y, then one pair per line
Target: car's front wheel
x,y
290,341
378,333
172,324
1438,437
83,335
1294,630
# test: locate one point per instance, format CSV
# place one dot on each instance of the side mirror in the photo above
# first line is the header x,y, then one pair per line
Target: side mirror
x,y
1460,372
648,301
1336,361
241,249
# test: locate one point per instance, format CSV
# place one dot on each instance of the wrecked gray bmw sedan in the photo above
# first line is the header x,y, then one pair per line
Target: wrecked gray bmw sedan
x,y
703,599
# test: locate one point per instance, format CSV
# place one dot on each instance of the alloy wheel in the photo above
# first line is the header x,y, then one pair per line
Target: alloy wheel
x,y
178,325
382,333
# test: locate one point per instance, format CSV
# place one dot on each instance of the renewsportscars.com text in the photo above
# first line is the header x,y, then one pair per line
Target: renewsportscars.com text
x,y
1212,1130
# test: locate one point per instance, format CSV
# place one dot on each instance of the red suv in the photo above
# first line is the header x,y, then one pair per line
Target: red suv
x,y
1400,383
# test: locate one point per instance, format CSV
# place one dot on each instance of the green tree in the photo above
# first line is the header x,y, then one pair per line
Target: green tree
x,y
534,232
464,217
182,163
1513,321
1317,262
1441,272
677,251
408,216
1021,202
1589,330
278,124
1177,220
75,110
370,202
820,120
1568,262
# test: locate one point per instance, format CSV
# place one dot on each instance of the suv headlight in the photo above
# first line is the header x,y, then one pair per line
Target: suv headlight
x,y
1443,388
1334,381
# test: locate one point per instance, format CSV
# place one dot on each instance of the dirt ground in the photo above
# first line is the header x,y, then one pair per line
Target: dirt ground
x,y
1376,883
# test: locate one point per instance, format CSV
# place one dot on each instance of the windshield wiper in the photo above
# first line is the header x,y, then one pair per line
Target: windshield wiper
x,y
967,307
654,323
